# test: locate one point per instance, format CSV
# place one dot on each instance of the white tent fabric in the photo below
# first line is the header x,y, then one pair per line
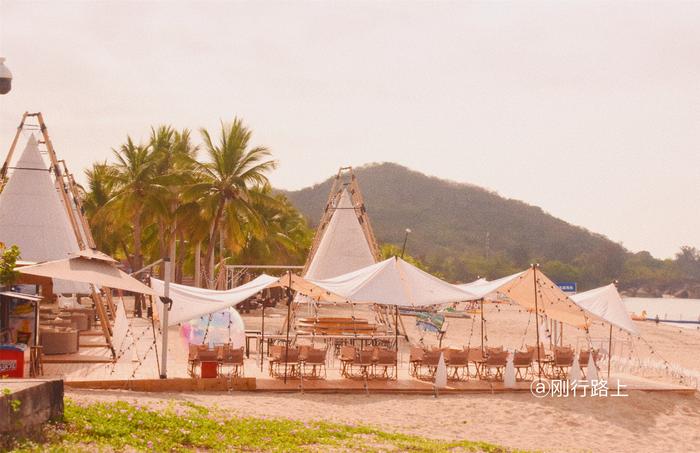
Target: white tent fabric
x,y
605,303
343,247
520,288
390,282
96,271
190,302
33,217
551,301
485,289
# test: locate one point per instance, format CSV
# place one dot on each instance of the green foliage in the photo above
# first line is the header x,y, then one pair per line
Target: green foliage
x,y
189,427
161,192
8,261
15,403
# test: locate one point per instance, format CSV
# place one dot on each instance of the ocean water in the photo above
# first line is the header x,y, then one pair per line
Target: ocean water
x,y
667,309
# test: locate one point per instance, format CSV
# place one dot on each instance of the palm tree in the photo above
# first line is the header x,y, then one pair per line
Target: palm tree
x,y
136,190
173,153
285,238
224,186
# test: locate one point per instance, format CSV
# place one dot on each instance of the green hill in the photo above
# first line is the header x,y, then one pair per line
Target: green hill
x,y
463,231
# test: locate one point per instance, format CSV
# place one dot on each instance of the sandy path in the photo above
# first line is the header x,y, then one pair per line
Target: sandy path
x,y
641,422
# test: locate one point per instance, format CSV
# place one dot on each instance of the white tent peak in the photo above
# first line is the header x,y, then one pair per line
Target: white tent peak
x,y
343,246
33,217
31,157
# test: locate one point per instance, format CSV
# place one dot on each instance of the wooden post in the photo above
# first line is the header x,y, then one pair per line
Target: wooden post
x,y
289,308
481,301
537,322
5,166
609,351
198,264
261,346
103,319
110,302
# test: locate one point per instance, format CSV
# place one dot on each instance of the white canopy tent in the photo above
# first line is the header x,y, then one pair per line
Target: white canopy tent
x,y
532,288
344,246
33,217
190,302
486,289
88,267
605,303
390,282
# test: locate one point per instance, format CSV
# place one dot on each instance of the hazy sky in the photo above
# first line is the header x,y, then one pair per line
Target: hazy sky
x,y
590,110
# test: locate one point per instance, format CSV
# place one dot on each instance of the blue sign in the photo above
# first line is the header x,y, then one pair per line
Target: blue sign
x,y
567,287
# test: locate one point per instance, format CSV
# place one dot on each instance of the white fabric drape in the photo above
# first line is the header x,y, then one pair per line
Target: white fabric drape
x,y
390,282
485,289
605,303
190,302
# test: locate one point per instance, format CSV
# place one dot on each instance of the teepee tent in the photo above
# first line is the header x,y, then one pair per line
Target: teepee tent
x,y
344,240
33,217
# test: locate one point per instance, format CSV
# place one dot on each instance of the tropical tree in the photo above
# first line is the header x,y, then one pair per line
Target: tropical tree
x,y
135,192
225,182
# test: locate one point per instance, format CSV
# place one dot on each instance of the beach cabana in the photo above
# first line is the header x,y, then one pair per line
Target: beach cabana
x,y
606,304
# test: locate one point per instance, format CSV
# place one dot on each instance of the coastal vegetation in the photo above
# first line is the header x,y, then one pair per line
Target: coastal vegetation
x,y
121,426
201,204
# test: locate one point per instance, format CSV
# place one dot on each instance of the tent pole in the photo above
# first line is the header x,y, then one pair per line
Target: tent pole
x,y
261,346
481,302
166,310
396,340
537,323
153,327
289,307
609,351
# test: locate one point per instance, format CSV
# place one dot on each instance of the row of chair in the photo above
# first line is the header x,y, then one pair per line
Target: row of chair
x,y
463,364
372,363
299,361
225,356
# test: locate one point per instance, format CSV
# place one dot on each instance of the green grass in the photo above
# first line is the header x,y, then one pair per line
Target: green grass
x,y
188,427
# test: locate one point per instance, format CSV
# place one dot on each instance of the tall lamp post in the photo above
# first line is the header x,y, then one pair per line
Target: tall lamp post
x,y
405,239
5,77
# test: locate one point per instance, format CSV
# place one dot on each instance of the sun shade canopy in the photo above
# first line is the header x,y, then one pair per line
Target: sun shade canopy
x,y
551,301
190,302
390,282
98,272
485,289
605,303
